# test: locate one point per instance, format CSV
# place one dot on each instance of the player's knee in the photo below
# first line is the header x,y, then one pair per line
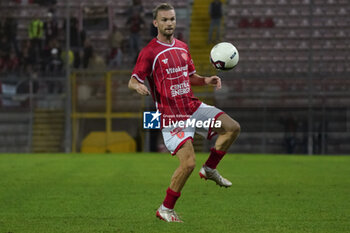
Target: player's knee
x,y
233,129
190,163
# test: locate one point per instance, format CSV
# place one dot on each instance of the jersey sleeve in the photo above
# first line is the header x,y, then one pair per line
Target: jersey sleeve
x,y
143,67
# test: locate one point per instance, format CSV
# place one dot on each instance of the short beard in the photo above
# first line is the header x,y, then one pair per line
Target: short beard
x,y
167,35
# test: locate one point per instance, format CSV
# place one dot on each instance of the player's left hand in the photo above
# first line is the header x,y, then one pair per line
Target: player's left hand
x,y
213,81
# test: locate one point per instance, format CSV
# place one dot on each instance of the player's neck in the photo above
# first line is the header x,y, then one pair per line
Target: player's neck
x,y
164,39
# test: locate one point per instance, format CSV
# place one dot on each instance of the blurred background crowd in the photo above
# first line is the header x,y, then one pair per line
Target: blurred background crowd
x,y
290,90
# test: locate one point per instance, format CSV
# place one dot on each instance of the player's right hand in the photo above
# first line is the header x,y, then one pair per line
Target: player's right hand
x,y
142,89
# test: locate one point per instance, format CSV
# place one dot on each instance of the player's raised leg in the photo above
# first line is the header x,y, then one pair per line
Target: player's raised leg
x,y
228,132
187,160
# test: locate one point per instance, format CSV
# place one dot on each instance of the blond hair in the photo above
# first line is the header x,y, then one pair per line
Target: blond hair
x,y
161,7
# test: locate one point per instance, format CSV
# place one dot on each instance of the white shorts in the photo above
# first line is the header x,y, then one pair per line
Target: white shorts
x,y
175,137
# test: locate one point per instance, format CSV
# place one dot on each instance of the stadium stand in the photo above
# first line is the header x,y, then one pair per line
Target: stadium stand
x,y
15,130
296,25
294,59
48,131
298,64
48,96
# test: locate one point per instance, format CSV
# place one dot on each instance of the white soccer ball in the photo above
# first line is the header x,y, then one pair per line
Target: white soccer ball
x,y
224,56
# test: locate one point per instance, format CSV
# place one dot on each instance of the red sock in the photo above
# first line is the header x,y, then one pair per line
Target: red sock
x,y
214,158
171,198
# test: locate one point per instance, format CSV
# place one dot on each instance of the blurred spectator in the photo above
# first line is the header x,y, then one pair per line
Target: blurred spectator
x,y
50,28
88,53
4,53
27,57
52,58
4,47
115,40
320,137
10,28
12,64
135,23
97,62
45,55
2,64
77,40
2,26
290,129
9,51
153,31
136,8
215,12
36,35
55,65
70,57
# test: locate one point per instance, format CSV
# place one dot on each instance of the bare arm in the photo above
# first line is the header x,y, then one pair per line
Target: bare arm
x,y
138,87
197,80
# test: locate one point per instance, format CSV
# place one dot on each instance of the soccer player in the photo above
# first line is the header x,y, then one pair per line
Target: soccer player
x,y
168,66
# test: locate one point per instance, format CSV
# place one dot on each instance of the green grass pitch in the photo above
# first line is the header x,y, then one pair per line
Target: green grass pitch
x,y
109,193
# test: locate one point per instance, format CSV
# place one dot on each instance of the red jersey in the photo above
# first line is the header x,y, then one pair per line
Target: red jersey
x,y
167,68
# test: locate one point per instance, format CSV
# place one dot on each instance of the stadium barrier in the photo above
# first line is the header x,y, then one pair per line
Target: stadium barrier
x,y
104,96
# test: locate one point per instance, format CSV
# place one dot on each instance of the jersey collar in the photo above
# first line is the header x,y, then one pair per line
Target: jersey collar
x,y
165,44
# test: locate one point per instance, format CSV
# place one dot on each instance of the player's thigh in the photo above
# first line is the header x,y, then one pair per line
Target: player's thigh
x,y
227,125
